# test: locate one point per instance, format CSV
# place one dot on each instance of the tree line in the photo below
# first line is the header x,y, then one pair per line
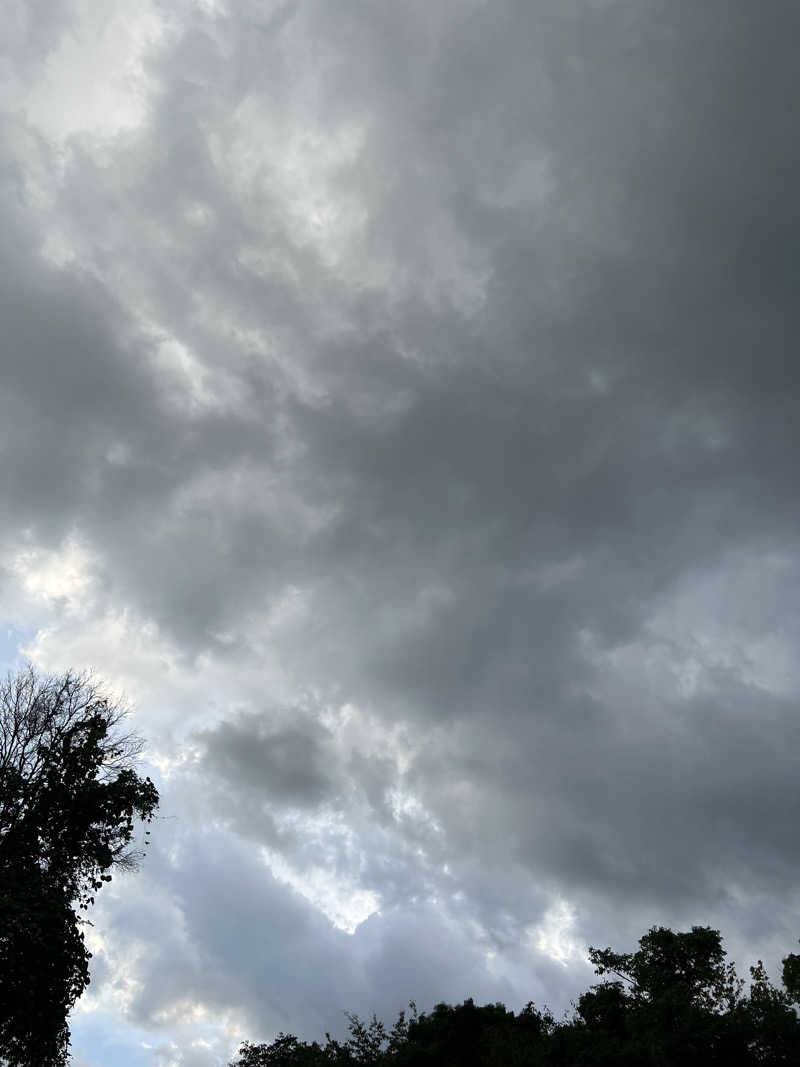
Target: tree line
x,y
674,1002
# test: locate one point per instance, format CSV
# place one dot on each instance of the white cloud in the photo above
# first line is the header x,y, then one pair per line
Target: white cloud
x,y
93,81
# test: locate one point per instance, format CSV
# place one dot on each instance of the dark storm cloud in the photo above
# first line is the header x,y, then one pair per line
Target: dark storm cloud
x,y
288,761
446,353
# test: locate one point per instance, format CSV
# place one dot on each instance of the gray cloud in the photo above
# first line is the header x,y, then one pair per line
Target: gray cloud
x,y
288,761
420,378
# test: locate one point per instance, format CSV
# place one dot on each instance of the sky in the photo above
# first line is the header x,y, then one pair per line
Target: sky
x,y
399,409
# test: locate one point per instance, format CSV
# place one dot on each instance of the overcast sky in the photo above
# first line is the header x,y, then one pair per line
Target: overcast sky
x,y
400,405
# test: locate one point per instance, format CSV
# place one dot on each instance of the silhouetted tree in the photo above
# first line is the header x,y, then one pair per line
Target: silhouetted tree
x,y
679,985
69,799
284,1051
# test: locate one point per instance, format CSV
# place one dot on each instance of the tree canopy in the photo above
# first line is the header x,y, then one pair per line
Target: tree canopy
x,y
69,801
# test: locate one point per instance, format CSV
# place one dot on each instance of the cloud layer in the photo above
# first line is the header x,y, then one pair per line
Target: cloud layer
x,y
399,404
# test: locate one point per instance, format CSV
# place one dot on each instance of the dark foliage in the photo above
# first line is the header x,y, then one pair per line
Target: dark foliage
x,y
672,1002
69,800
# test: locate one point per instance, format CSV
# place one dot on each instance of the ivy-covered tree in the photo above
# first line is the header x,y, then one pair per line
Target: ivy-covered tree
x,y
69,801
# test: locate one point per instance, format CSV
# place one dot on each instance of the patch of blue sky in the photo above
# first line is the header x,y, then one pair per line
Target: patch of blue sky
x,y
100,1039
13,638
